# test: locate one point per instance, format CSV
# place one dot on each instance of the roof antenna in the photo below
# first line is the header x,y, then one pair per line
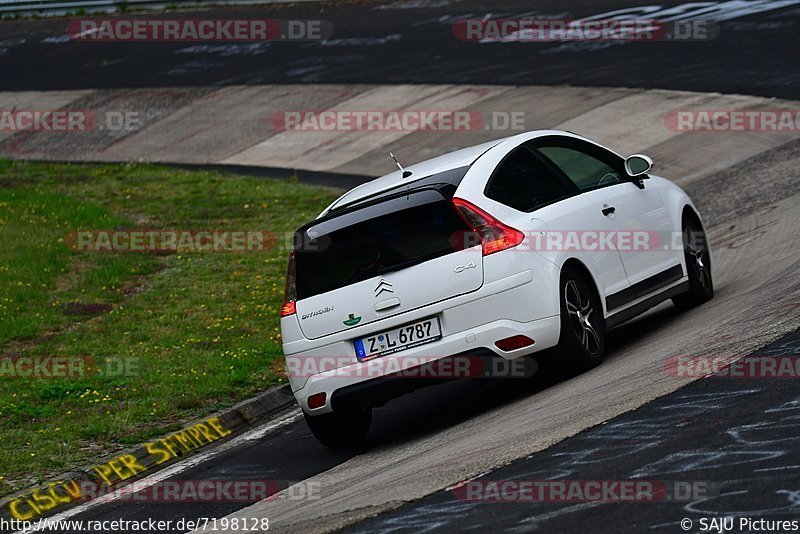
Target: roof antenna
x,y
406,173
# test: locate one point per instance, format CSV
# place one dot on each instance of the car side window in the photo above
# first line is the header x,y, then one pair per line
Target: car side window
x,y
524,182
587,171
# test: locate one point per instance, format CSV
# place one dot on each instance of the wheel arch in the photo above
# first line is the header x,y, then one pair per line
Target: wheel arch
x,y
689,212
580,267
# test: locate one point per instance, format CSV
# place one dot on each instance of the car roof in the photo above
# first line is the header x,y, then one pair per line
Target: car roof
x,y
452,160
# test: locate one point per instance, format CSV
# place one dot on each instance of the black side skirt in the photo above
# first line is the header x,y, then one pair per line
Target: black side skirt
x,y
643,288
638,309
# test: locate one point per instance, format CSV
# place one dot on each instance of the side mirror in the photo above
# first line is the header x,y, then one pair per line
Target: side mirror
x,y
638,165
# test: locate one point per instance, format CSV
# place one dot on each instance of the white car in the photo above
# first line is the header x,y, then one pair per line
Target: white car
x,y
538,241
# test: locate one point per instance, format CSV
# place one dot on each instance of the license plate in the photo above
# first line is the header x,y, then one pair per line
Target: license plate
x,y
397,339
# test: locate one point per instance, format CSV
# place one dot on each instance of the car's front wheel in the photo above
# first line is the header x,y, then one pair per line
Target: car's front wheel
x,y
581,344
698,265
340,429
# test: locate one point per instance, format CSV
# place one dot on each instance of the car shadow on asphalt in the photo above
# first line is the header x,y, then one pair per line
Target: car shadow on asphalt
x,y
431,410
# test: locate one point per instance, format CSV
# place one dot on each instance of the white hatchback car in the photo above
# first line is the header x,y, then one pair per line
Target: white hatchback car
x,y
537,241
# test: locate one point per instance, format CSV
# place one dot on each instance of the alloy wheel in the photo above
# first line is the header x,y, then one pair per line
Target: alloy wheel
x,y
581,314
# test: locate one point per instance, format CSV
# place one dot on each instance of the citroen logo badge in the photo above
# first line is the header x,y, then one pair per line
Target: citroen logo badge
x,y
383,286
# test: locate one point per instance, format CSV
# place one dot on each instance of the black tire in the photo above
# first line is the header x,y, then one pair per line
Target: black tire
x,y
340,429
698,265
581,344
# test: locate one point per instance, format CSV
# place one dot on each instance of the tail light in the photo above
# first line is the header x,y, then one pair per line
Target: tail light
x,y
495,236
290,295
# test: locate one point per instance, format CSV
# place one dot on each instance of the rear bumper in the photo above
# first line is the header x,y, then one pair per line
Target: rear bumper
x,y
466,354
376,392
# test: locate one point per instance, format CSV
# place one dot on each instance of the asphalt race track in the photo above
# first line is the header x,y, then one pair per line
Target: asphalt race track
x,y
756,260
734,435
391,42
627,419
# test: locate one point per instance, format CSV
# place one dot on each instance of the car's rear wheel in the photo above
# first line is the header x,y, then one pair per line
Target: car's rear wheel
x,y
340,429
581,344
698,265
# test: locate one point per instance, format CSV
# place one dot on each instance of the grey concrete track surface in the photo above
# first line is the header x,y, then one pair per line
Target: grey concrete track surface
x,y
234,125
753,211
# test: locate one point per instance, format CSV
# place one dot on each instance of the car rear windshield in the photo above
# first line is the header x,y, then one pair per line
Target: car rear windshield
x,y
380,238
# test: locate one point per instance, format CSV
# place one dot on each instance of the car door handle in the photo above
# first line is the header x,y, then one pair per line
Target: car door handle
x,y
608,210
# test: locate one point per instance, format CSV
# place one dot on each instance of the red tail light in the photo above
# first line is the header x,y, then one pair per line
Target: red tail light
x,y
290,296
495,236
